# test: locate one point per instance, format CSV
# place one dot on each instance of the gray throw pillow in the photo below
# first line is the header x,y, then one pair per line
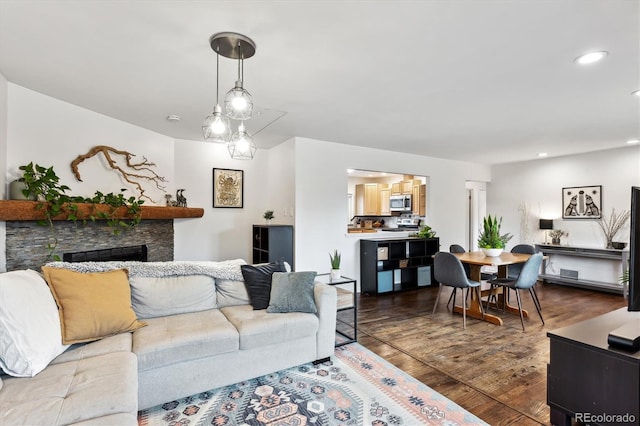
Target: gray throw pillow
x,y
292,292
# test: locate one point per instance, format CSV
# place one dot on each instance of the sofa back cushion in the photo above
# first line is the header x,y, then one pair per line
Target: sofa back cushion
x,y
153,297
231,293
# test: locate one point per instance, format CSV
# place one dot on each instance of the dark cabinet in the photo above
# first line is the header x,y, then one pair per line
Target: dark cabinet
x,y
272,243
390,265
589,381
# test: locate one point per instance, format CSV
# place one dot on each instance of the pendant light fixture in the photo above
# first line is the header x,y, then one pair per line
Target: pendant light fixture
x,y
216,127
241,145
238,102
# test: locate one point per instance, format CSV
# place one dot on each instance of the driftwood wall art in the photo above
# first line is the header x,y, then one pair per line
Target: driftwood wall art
x,y
132,173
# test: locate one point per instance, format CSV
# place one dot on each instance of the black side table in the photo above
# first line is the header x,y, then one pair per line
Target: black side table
x,y
346,301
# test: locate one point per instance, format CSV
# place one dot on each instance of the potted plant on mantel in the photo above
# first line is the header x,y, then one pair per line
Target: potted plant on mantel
x,y
335,264
490,241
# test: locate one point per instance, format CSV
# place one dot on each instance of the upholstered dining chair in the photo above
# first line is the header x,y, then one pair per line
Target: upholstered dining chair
x,y
525,281
448,271
514,270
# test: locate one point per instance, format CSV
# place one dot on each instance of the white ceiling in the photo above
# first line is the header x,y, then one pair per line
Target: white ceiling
x,y
475,80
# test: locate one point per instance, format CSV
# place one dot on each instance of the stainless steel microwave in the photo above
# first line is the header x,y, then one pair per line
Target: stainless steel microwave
x,y
400,203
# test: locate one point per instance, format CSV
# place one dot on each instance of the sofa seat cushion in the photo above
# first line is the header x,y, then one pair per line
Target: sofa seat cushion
x,y
117,343
179,338
258,328
72,392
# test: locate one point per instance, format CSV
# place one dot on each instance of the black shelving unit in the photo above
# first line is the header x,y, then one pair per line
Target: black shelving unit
x,y
390,265
272,243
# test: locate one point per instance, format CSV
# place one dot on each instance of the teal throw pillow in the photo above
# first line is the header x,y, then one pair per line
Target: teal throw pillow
x,y
292,292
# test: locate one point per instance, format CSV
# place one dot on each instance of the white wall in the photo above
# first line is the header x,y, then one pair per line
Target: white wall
x,y
222,233
51,132
539,184
321,182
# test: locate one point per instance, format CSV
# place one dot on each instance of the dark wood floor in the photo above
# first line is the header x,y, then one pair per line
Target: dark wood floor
x,y
496,372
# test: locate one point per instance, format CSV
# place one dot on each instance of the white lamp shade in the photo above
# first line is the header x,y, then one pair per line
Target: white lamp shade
x,y
216,127
238,103
241,145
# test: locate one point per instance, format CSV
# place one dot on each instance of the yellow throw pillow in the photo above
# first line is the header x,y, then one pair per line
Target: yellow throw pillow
x,y
92,305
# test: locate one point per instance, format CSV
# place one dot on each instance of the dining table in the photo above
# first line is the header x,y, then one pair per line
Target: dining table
x,y
476,260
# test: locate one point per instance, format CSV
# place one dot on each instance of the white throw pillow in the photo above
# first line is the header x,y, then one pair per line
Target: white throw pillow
x,y
30,335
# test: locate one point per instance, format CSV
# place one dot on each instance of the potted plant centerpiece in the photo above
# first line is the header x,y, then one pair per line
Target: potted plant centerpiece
x,y
490,241
335,264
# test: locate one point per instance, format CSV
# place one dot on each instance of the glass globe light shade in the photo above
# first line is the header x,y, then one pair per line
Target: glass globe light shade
x,y
241,145
216,127
238,103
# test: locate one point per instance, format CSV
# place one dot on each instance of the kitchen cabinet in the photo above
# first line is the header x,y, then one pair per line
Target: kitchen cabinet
x,y
419,199
367,199
396,264
396,189
407,186
272,243
385,206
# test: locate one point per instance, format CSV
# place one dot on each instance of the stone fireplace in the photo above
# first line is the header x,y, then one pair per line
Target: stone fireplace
x,y
27,241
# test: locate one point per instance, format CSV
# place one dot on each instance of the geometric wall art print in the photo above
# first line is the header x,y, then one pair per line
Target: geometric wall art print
x,y
582,202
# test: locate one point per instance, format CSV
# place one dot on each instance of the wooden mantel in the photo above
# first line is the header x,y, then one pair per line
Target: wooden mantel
x,y
14,210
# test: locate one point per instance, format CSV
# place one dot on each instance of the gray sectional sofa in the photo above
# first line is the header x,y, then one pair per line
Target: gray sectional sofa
x,y
201,333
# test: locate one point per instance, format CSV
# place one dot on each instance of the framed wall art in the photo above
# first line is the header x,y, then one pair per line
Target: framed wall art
x,y
228,188
582,202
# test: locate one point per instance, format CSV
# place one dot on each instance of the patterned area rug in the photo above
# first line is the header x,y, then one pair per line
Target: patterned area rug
x,y
356,387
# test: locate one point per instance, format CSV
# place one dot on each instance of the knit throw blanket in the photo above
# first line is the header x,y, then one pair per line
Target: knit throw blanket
x,y
224,270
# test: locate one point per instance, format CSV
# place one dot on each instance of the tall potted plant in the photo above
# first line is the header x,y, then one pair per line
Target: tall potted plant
x,y
490,240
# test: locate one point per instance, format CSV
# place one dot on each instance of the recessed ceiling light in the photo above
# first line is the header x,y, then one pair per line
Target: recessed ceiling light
x,y
633,141
542,154
591,57
636,92
173,117
349,170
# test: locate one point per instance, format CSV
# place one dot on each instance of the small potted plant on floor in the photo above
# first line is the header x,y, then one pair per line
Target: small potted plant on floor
x,y
335,264
490,241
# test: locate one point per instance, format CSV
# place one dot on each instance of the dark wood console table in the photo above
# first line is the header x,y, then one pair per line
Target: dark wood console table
x,y
589,381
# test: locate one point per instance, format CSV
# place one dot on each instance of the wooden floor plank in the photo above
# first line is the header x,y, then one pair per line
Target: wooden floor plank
x,y
496,372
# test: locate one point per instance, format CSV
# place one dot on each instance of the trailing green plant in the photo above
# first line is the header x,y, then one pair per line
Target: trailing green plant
x,y
426,232
335,259
43,184
490,236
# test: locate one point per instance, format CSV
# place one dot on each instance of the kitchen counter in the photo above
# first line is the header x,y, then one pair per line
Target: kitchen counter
x,y
377,233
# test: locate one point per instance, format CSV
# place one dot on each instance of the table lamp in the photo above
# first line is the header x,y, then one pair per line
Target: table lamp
x,y
546,224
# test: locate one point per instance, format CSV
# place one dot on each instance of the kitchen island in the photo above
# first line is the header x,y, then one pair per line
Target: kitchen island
x,y
395,263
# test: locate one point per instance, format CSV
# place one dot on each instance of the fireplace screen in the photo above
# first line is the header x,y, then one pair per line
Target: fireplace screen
x,y
138,253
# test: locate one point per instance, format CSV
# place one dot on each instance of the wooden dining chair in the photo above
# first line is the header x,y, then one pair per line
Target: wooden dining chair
x,y
448,271
525,281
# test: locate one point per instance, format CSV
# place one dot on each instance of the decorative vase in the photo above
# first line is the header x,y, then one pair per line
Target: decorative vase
x,y
335,274
267,221
15,191
492,252
555,241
